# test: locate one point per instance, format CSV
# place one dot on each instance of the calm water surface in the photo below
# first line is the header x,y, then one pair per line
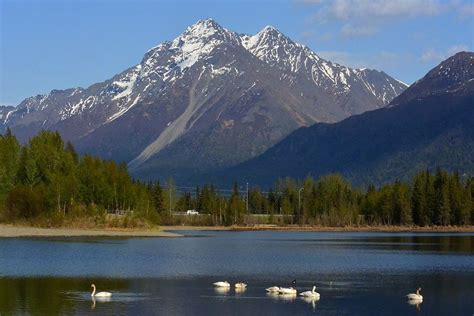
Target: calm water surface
x,y
355,273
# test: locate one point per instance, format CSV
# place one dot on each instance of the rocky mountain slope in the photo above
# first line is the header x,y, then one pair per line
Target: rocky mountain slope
x,y
429,125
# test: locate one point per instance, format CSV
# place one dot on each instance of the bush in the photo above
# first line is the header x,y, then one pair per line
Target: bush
x,y
25,202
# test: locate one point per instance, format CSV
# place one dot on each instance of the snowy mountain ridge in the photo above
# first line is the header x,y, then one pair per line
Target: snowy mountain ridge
x,y
207,81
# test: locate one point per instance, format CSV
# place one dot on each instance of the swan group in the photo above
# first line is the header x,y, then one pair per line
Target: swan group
x,y
100,294
413,298
238,285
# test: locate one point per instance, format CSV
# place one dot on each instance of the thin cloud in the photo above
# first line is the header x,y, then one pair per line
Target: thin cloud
x,y
349,30
433,55
466,11
343,58
363,9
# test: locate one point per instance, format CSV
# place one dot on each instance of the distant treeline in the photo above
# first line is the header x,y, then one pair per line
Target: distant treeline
x,y
46,182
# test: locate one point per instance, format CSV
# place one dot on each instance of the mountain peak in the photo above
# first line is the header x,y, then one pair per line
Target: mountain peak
x,y
199,40
459,67
270,33
269,28
205,27
450,74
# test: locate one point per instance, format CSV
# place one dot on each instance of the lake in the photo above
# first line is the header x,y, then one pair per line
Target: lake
x,y
355,273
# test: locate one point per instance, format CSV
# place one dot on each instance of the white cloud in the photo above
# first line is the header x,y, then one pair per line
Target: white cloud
x,y
366,17
433,55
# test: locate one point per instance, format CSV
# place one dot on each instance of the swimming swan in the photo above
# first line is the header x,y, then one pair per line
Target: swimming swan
x,y
100,294
222,284
273,289
312,293
415,296
240,285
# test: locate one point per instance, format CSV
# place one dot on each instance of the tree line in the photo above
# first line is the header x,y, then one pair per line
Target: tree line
x,y
46,179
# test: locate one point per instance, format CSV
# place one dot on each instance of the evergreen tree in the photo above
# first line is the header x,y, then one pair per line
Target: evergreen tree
x,y
442,209
236,207
419,203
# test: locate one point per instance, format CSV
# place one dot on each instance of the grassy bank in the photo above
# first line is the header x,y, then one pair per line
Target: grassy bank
x,y
22,230
434,229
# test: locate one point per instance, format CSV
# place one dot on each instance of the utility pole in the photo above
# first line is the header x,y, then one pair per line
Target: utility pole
x,y
299,201
247,206
170,197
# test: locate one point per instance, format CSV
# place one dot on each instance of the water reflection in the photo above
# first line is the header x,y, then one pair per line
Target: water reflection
x,y
222,290
357,274
311,300
100,299
460,243
374,294
240,290
416,303
287,297
273,295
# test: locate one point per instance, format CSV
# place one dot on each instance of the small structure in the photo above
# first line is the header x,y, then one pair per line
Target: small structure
x,y
192,212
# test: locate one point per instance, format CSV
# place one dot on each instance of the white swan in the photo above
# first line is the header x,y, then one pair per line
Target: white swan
x,y
287,290
415,296
311,294
272,289
240,285
222,284
100,294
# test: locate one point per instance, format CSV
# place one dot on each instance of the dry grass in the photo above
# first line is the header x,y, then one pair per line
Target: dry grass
x,y
439,229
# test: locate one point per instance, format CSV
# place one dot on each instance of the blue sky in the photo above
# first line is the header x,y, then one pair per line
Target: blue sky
x,y
57,44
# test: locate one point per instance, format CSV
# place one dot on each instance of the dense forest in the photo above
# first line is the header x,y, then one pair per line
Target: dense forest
x,y
45,182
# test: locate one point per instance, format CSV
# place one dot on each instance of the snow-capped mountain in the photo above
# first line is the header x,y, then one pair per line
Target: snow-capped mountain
x,y
209,98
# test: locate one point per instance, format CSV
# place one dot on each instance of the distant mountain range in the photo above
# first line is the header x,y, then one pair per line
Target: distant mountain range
x,y
429,125
211,98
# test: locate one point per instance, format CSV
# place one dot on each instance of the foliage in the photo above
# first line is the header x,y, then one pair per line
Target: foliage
x,y
45,182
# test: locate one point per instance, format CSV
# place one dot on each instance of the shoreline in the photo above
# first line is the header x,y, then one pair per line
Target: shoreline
x,y
12,231
388,229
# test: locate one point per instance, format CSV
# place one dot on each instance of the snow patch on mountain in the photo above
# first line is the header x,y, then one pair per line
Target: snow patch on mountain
x,y
127,83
